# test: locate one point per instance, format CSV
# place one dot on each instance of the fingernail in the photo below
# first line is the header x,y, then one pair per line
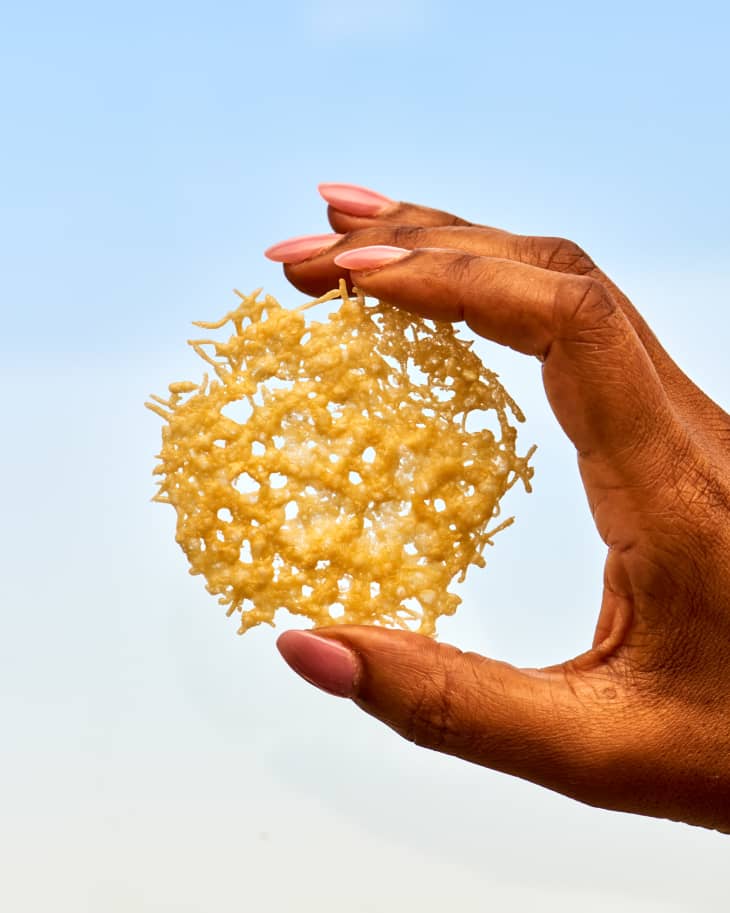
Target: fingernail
x,y
371,257
354,200
295,250
326,663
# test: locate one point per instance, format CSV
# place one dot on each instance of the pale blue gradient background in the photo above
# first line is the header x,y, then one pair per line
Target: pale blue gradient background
x,y
152,760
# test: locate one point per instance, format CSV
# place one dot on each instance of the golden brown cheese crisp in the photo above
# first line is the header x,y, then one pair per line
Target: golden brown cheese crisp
x,y
328,468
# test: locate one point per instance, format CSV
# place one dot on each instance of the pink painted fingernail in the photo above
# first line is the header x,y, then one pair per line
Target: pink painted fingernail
x,y
371,257
326,663
354,200
295,250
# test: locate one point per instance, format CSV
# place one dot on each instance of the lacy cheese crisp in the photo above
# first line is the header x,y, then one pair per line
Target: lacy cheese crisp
x,y
329,468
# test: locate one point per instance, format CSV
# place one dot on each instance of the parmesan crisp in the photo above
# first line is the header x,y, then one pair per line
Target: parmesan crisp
x,y
328,468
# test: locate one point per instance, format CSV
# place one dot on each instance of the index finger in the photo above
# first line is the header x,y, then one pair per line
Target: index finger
x,y
600,381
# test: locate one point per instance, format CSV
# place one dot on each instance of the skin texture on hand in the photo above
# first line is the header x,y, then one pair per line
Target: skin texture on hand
x,y
640,722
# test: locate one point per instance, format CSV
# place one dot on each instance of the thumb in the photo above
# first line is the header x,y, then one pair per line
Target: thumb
x,y
527,723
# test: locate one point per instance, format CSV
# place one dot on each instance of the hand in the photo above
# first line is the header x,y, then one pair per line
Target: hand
x,y
641,721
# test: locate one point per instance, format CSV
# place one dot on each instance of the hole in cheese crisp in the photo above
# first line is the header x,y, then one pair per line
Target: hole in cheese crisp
x,y
345,470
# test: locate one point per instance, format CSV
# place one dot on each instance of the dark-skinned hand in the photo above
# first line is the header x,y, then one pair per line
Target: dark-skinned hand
x,y
640,722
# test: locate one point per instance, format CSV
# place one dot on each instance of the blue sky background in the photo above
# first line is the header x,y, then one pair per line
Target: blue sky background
x,y
152,760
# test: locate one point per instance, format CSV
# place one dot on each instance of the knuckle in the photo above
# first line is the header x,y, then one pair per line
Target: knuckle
x,y
698,501
451,701
427,723
562,256
361,237
584,306
408,236
460,269
437,218
455,221
432,720
700,487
